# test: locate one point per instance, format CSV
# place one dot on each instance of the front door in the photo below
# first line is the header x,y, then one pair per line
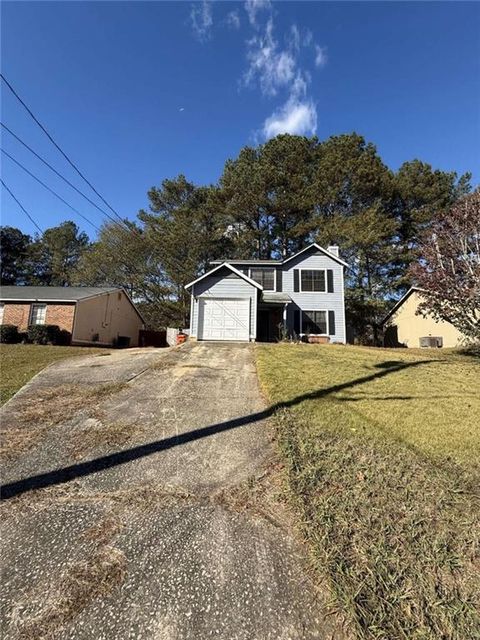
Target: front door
x,y
268,321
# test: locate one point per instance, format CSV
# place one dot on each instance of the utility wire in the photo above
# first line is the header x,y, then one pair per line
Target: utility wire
x,y
30,112
133,271
20,205
32,115
57,172
51,190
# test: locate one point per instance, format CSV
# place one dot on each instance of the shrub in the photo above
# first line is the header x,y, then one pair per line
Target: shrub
x,y
64,337
9,333
44,333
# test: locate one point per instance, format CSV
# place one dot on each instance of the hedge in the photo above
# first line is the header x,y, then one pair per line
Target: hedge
x,y
48,334
9,333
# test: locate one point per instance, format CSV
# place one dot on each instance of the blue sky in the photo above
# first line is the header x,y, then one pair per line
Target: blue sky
x,y
136,92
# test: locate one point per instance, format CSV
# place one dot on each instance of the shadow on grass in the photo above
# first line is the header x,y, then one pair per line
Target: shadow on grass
x,y
71,472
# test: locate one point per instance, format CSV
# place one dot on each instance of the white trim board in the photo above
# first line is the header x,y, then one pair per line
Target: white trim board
x,y
317,246
228,266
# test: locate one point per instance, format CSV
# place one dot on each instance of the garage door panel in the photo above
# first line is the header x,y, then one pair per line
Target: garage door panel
x,y
224,319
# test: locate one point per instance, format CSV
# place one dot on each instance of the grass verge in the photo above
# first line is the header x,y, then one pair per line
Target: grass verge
x,y
20,362
380,451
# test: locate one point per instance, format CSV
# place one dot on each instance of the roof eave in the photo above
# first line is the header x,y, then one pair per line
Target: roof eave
x,y
228,266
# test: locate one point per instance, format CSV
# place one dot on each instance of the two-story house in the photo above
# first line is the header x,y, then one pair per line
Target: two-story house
x,y
247,300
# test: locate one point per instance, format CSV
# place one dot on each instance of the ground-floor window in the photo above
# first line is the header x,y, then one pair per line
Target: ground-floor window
x,y
38,314
315,322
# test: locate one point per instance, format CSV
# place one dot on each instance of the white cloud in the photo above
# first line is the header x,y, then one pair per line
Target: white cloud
x,y
276,64
272,67
252,7
201,18
233,20
320,56
307,38
295,37
297,117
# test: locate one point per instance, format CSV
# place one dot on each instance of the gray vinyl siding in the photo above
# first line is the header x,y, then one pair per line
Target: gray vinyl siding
x,y
228,285
309,301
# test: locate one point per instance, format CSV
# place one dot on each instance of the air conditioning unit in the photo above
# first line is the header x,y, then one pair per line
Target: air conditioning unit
x,y
434,342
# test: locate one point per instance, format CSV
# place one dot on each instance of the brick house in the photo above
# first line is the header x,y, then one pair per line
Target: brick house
x,y
92,315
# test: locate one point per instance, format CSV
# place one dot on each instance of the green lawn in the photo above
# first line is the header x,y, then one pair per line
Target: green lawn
x,y
381,453
20,362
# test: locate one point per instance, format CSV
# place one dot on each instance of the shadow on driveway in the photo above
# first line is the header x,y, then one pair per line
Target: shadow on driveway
x,y
71,472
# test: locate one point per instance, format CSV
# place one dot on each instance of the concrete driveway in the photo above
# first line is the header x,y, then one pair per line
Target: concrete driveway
x,y
122,516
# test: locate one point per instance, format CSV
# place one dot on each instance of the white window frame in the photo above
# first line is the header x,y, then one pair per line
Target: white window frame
x,y
300,282
327,322
37,324
2,311
263,268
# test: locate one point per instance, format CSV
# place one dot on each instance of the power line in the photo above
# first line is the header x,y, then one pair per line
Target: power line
x,y
30,112
128,266
57,172
51,190
32,115
21,206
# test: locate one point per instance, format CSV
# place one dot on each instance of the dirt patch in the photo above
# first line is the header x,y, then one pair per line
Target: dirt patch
x,y
49,406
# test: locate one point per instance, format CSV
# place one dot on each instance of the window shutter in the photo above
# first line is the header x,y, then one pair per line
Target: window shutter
x,y
295,281
279,275
330,280
296,321
331,323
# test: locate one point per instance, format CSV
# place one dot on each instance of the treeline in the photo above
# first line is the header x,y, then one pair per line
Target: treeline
x,y
269,202
48,259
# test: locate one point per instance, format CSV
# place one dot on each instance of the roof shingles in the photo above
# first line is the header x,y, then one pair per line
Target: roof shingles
x,y
51,294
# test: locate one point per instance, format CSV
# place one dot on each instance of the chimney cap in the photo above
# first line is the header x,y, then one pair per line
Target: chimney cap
x,y
333,249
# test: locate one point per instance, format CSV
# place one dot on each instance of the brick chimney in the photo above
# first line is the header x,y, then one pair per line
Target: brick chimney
x,y
333,250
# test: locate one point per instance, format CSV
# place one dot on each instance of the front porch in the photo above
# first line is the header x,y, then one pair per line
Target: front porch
x,y
272,316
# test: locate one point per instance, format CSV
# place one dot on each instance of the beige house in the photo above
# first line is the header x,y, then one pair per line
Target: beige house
x,y
404,327
92,315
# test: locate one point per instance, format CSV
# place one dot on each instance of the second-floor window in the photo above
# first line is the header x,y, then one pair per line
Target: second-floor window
x,y
265,277
38,314
312,280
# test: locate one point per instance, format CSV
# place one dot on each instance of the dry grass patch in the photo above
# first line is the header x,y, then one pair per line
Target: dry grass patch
x,y
48,407
40,616
97,434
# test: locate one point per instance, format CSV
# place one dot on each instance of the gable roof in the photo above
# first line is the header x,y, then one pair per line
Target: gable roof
x,y
246,262
268,262
228,266
51,294
399,303
317,246
26,293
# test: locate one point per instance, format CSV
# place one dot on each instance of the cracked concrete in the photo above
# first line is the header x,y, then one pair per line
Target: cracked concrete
x,y
164,558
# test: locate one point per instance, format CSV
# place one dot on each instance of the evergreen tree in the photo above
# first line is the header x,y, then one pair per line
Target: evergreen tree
x,y
13,255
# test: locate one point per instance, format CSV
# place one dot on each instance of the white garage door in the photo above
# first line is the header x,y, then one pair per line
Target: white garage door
x,y
224,319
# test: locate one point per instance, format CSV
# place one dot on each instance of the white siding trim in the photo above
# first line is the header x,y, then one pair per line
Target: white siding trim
x,y
228,266
317,246
343,306
191,312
